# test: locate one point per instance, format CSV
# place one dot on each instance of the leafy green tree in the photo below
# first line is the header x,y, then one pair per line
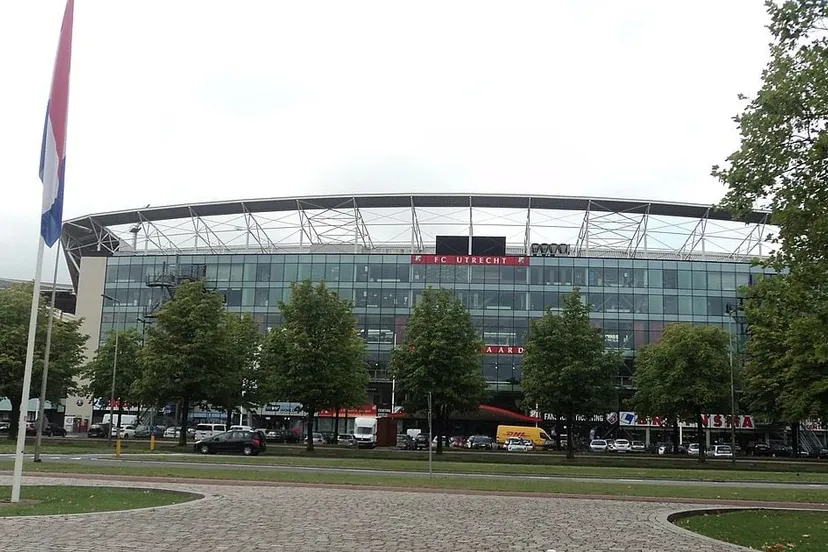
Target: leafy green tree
x,y
186,350
780,165
99,370
352,391
66,356
685,375
237,386
316,353
566,369
441,355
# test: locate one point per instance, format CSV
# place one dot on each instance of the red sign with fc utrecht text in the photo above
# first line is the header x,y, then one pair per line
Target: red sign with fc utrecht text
x,y
486,260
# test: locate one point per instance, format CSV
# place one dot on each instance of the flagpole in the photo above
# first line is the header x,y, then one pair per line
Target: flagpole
x,y
17,478
45,377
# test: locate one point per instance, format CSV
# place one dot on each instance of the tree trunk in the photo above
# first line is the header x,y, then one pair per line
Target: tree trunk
x,y
185,413
439,432
557,432
309,431
229,418
336,426
795,436
701,437
570,453
675,435
15,417
120,414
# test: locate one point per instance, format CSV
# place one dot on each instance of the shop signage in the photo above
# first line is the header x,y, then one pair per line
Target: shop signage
x,y
710,421
367,410
548,249
486,260
283,409
503,349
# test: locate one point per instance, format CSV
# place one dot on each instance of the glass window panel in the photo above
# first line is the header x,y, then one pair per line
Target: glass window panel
x,y
641,304
625,277
418,273
699,306
595,300
447,274
536,301
234,297
640,277
362,272
699,280
332,272
236,272
611,276
728,281
685,304
304,269
248,296
492,274
714,281
263,272
685,279
520,274
291,272
579,276
262,297
742,279
223,272
596,276
250,271
433,274
670,278
625,302
136,272
274,295
551,299
655,278
507,274
318,272
536,275
640,334
670,304
461,274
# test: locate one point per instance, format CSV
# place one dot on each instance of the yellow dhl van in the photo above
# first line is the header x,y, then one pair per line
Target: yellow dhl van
x,y
537,435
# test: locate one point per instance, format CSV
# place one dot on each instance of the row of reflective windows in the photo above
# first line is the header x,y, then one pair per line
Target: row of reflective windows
x,y
497,300
647,274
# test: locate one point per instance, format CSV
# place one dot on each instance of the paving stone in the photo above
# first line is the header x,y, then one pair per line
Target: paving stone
x,y
289,519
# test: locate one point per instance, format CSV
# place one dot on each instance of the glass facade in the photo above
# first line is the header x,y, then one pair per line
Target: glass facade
x,y
632,300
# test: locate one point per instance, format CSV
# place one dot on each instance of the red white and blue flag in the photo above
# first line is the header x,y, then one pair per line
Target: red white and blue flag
x,y
53,147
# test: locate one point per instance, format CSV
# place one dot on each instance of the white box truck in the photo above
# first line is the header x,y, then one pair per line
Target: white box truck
x,y
365,432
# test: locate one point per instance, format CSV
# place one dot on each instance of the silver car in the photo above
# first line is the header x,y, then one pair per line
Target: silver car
x,y
622,445
598,445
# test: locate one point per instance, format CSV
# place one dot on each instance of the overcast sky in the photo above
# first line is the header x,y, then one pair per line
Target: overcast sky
x,y
197,100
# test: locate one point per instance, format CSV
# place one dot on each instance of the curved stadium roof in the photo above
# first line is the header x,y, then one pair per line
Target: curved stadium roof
x,y
407,223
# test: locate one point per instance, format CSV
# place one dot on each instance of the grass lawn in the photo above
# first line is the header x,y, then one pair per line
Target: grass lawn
x,y
75,500
437,482
505,469
767,530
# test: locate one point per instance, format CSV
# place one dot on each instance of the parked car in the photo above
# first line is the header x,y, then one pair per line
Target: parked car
x,y
145,431
54,430
346,440
476,442
781,449
4,427
248,443
405,442
598,445
317,439
126,432
693,449
720,451
421,441
610,445
622,445
519,444
761,449
240,428
638,446
97,431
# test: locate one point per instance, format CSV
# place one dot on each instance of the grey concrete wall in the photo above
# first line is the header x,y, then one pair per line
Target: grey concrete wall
x,y
90,303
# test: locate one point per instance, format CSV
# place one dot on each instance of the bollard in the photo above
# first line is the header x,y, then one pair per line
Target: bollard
x,y
118,447
152,442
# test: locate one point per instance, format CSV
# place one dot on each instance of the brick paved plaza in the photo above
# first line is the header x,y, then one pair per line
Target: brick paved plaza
x,y
242,518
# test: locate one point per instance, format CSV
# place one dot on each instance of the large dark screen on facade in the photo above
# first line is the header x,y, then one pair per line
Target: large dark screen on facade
x,y
452,245
488,245
481,245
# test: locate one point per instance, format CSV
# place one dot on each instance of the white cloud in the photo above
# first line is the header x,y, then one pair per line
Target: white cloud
x,y
197,100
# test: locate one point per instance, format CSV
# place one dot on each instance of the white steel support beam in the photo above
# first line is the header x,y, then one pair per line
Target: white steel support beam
x,y
527,235
158,234
471,226
582,245
752,241
261,237
640,234
695,238
200,225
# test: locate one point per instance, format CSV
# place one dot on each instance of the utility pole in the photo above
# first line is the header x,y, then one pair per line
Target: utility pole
x,y
731,313
430,436
114,371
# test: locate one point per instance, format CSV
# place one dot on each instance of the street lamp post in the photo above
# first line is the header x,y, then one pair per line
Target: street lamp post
x,y
731,312
114,371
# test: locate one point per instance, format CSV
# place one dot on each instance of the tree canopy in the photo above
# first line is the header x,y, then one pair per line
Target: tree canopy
x,y
566,369
316,357
685,375
237,387
781,165
186,352
442,355
66,356
98,371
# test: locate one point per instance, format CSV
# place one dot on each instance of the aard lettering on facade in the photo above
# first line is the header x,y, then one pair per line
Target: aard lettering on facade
x,y
548,249
490,260
503,350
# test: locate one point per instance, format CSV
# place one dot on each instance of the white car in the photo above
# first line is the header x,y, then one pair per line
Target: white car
x,y
622,445
517,444
240,428
598,445
126,432
720,451
693,449
317,439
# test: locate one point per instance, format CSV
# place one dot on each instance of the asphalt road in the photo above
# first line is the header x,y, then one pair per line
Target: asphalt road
x,y
195,463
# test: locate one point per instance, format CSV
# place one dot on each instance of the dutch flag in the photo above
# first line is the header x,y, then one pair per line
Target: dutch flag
x,y
53,147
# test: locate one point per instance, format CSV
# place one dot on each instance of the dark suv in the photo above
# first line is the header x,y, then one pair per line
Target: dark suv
x,y
249,443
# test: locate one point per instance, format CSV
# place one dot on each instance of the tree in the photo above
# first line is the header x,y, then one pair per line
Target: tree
x,y
781,165
441,355
186,350
237,385
316,353
566,369
685,375
128,370
66,356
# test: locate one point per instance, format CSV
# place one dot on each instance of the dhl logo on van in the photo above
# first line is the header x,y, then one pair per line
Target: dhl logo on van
x,y
516,433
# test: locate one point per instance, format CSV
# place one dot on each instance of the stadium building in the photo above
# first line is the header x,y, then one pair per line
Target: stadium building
x,y
641,264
